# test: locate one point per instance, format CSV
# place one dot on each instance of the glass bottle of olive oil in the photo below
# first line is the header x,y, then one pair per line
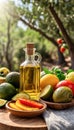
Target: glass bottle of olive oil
x,y
30,73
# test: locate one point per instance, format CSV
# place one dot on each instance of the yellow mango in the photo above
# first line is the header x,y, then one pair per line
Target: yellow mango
x,y
13,105
48,79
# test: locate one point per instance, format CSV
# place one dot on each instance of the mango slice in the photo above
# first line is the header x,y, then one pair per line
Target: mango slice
x,y
13,105
23,107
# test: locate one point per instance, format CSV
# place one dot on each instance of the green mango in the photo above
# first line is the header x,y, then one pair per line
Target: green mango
x,y
62,95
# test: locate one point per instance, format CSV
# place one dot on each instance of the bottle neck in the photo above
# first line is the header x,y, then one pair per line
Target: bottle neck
x,y
29,57
29,54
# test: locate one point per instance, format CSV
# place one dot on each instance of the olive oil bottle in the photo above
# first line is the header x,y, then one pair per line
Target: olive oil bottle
x,y
30,74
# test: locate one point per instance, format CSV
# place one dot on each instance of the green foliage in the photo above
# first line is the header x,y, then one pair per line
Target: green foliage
x,y
36,13
57,71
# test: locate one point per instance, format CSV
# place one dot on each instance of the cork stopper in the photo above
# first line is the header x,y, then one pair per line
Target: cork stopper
x,y
30,47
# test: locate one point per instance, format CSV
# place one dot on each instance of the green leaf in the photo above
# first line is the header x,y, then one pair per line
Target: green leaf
x,y
57,71
47,71
70,70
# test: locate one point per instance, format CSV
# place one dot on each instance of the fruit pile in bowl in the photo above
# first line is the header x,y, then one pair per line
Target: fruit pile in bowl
x,y
25,107
9,85
57,86
17,103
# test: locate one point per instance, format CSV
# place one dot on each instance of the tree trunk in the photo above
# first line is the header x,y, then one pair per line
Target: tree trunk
x,y
7,54
72,56
65,34
61,58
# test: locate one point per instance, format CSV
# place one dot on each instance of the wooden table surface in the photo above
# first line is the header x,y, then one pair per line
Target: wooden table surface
x,y
10,122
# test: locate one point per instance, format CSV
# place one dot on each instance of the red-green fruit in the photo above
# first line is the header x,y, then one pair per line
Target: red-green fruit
x,y
62,95
62,49
59,41
66,83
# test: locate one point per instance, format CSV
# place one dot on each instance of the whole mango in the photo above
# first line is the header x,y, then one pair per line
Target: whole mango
x,y
70,76
62,95
48,79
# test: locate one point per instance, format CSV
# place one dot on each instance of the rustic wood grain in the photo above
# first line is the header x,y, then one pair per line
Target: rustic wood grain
x,y
10,122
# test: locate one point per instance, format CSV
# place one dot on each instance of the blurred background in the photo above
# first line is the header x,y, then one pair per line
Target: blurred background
x,y
40,22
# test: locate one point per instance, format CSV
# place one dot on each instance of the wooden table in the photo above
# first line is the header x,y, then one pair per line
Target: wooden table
x,y
10,122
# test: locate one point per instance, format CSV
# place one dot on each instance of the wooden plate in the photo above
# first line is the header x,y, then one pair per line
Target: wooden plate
x,y
24,113
59,106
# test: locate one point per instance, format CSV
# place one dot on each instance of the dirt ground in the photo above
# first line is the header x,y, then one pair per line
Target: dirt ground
x,y
53,64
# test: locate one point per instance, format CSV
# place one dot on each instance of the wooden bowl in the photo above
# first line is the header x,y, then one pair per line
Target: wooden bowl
x,y
24,113
59,106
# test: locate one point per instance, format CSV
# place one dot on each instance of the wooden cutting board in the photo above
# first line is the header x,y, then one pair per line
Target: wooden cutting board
x,y
10,122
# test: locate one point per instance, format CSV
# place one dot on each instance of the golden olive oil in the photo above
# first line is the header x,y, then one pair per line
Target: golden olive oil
x,y
30,80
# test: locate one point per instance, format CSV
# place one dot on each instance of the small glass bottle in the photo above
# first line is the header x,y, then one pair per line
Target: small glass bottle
x,y
30,73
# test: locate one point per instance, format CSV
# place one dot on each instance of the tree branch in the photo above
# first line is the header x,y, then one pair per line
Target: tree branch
x,y
19,17
38,30
8,59
61,26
